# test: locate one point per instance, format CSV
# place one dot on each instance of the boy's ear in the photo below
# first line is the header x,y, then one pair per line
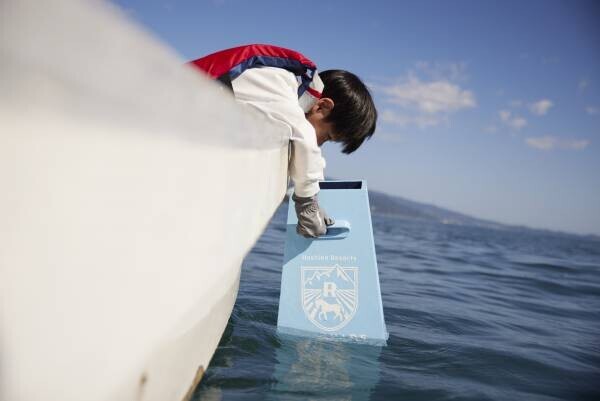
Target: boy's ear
x,y
324,105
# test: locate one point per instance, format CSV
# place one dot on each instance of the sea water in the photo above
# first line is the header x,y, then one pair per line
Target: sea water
x,y
472,313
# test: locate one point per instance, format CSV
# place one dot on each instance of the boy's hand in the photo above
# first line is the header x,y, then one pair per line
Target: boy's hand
x,y
312,220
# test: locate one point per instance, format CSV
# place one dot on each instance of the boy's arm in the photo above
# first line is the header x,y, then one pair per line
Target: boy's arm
x,y
275,92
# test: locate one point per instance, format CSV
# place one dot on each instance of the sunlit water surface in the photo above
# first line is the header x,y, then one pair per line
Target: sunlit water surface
x,y
473,314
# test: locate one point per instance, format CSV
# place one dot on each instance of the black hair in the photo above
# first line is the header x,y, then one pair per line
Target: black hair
x,y
354,115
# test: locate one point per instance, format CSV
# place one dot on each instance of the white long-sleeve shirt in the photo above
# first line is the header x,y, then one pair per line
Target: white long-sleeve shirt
x,y
274,91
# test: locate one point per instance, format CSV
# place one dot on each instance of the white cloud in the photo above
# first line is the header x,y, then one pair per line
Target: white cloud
x,y
490,129
426,96
542,142
514,122
516,103
439,71
592,111
549,142
392,137
540,107
584,83
403,120
550,60
430,97
389,116
518,123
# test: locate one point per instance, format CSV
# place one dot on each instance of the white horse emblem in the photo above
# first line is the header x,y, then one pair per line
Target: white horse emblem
x,y
329,295
324,308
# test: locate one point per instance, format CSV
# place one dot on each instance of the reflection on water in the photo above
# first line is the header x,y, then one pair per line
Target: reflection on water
x,y
310,367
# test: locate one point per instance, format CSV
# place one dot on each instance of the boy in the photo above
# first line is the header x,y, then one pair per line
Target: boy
x,y
333,105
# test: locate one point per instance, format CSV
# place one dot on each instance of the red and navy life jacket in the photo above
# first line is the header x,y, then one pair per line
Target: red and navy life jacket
x,y
226,65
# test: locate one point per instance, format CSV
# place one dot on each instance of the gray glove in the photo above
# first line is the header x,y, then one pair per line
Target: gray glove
x,y
312,220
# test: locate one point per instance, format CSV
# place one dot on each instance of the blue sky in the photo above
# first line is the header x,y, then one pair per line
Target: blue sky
x,y
488,108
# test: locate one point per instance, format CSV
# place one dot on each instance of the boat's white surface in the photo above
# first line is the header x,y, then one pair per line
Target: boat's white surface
x,y
131,188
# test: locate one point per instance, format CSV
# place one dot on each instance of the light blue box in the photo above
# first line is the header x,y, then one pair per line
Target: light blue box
x,y
330,285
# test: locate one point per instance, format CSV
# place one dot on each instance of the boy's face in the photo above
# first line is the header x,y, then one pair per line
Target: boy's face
x,y
317,116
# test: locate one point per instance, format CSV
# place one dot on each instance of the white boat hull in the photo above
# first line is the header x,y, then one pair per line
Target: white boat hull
x,y
132,189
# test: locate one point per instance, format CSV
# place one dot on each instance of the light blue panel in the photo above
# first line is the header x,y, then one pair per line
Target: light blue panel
x,y
330,285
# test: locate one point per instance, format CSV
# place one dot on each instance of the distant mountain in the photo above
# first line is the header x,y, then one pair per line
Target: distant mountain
x,y
382,203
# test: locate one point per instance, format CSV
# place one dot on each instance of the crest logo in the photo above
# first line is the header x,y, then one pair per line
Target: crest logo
x,y
329,295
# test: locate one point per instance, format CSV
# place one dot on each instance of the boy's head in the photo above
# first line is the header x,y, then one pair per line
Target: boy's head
x,y
345,113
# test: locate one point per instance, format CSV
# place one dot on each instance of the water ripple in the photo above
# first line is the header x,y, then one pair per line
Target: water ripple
x,y
473,314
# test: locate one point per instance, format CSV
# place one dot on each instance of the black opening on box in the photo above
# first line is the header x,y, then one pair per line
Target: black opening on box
x,y
340,184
